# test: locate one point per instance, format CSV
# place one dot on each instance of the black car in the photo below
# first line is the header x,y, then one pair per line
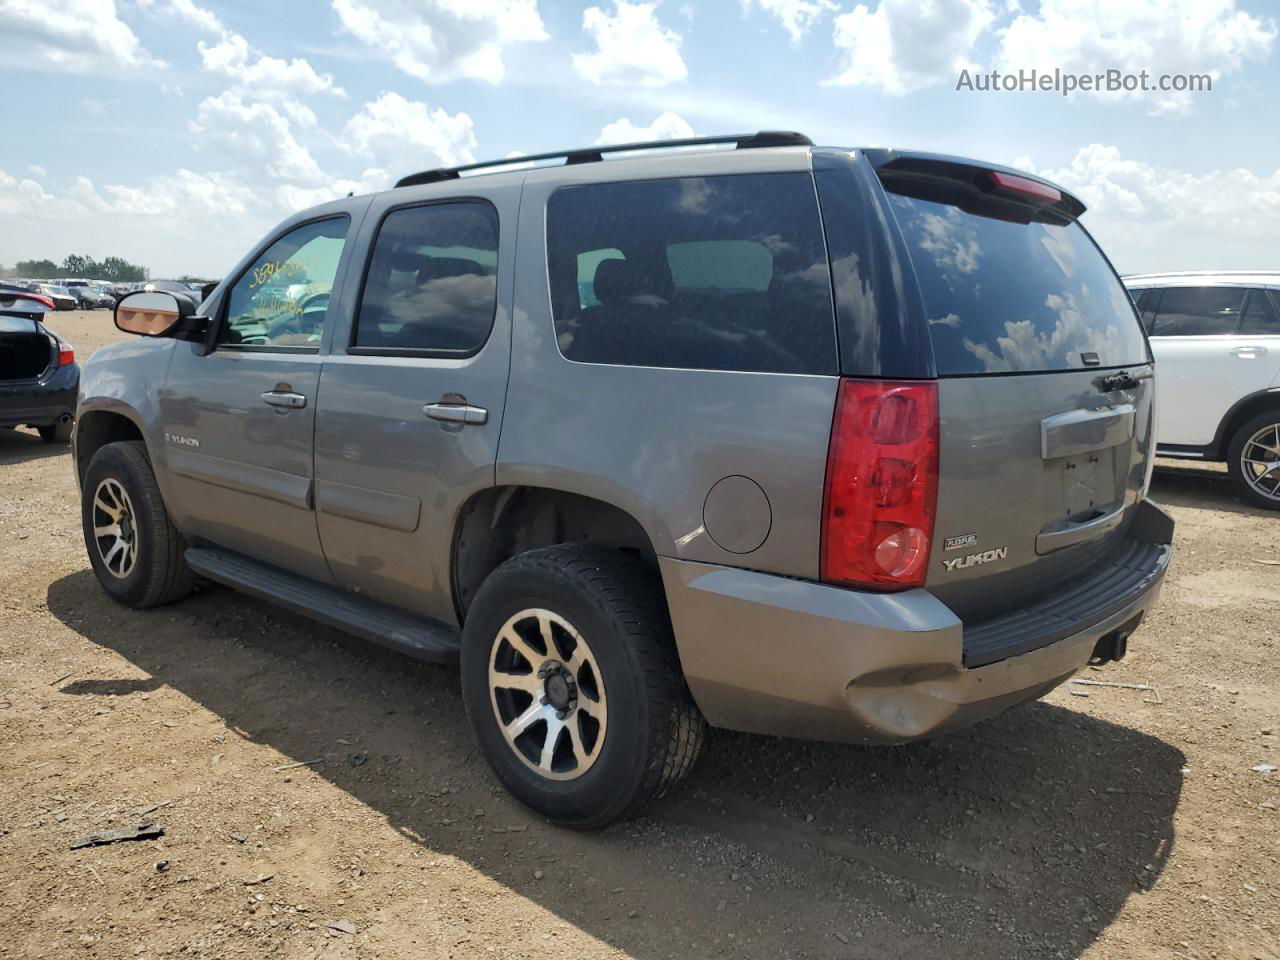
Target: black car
x,y
39,377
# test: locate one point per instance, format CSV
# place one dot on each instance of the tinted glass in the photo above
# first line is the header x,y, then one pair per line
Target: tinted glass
x,y
711,273
1005,297
282,299
1260,315
432,281
1198,311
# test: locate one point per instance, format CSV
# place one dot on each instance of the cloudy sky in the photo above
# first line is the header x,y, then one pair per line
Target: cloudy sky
x,y
176,132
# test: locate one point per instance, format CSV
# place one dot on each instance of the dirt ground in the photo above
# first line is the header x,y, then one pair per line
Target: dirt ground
x,y
1104,826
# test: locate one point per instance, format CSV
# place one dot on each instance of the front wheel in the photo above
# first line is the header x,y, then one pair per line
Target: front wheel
x,y
1253,460
573,688
135,550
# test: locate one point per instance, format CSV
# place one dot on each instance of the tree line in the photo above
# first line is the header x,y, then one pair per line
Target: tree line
x,y
115,269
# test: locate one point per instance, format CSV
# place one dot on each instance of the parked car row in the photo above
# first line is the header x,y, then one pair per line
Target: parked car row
x,y
81,294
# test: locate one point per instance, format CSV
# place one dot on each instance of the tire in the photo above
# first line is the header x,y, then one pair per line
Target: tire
x,y
59,432
1259,440
631,731
149,570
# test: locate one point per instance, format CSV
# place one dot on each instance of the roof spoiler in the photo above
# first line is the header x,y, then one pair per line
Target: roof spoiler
x,y
978,188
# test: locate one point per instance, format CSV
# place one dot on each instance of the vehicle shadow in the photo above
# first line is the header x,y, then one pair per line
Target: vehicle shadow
x,y
1194,485
20,446
1022,837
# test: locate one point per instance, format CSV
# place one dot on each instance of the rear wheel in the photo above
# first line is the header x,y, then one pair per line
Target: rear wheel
x,y
573,688
135,550
59,432
1253,460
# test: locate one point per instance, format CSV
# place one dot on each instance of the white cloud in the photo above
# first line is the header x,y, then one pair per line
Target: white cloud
x,y
632,47
256,136
796,16
151,224
186,11
407,135
439,40
1162,36
1149,217
904,45
266,77
79,36
667,126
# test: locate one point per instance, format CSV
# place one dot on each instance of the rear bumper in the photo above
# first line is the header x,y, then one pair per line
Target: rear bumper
x,y
40,403
771,655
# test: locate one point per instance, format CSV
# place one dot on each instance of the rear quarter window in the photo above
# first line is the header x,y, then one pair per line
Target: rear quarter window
x,y
711,273
1007,297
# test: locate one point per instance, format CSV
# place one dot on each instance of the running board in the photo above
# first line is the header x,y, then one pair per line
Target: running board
x,y
419,638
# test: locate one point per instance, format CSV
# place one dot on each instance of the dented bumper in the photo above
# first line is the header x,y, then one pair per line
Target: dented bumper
x,y
771,655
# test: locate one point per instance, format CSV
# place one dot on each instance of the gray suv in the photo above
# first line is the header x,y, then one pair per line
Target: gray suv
x,y
827,443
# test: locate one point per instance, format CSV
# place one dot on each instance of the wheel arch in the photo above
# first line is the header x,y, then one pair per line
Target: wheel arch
x,y
96,428
1244,409
500,522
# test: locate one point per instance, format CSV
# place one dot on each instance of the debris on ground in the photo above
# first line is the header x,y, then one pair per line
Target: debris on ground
x,y
146,808
300,763
1154,693
1264,768
262,878
142,831
342,926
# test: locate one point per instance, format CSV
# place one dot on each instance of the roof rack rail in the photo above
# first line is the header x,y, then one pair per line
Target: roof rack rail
x,y
742,141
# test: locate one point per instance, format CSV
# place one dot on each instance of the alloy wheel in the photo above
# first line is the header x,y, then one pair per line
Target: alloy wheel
x,y
548,694
1260,461
115,530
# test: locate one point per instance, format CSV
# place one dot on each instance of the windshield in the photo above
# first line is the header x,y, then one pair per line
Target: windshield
x,y
1005,297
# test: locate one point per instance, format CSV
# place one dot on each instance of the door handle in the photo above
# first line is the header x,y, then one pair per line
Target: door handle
x,y
280,398
1249,351
456,413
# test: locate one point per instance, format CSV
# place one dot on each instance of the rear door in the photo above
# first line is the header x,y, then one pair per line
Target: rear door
x,y
412,395
1045,395
1205,366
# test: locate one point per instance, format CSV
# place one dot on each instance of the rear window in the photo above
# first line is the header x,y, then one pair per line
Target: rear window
x,y
709,273
1005,297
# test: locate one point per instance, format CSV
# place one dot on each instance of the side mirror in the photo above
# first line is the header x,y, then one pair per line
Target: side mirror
x,y
156,314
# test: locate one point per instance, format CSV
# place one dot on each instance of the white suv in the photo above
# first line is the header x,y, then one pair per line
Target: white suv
x,y
1216,340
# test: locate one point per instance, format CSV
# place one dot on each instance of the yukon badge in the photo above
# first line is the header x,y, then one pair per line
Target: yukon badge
x,y
973,559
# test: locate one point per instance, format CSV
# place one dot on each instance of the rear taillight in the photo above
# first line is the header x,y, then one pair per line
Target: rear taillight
x,y
882,484
66,354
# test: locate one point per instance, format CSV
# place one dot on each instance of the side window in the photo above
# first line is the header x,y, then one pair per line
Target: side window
x,y
432,281
1150,301
710,273
1260,314
282,299
1198,311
